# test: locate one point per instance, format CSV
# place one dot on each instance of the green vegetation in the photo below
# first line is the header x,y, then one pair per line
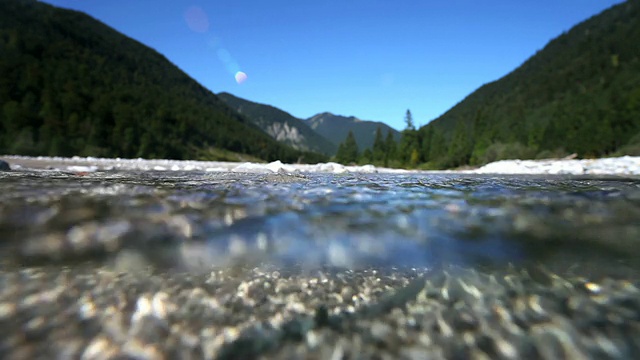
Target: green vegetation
x,y
580,94
70,85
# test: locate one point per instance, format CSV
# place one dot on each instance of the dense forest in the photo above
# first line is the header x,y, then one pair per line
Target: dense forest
x,y
580,94
70,85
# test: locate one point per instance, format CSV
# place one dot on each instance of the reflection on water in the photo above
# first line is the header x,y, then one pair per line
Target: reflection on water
x,y
193,220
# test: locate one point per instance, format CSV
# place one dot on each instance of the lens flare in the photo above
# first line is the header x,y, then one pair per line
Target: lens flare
x,y
241,77
224,56
196,19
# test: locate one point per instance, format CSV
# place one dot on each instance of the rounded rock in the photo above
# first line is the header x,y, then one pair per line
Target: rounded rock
x,y
4,166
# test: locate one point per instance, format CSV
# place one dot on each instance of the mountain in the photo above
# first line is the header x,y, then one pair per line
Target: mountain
x,y
281,125
579,94
335,128
70,85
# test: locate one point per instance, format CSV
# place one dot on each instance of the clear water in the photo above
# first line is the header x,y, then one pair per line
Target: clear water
x,y
190,220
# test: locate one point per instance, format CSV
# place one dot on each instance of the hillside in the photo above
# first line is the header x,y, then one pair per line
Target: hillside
x,y
70,85
579,94
281,125
335,128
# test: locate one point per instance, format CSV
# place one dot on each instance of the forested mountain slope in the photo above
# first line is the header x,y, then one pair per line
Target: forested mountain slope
x,y
580,94
281,125
335,128
70,85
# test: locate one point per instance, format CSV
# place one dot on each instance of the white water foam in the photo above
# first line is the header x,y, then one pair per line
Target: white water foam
x,y
626,165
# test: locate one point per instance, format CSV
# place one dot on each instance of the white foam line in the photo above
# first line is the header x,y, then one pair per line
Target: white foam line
x,y
626,165
88,164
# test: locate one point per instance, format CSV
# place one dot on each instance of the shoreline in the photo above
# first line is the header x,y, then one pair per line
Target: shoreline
x,y
626,165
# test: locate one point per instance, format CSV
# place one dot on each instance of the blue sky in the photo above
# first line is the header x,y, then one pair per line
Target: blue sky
x,y
372,59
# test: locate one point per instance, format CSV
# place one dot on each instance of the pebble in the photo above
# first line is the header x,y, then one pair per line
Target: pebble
x,y
101,313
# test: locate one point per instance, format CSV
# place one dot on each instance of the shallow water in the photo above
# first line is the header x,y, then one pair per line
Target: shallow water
x,y
194,220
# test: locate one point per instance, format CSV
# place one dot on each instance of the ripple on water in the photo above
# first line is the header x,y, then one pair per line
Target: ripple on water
x,y
195,219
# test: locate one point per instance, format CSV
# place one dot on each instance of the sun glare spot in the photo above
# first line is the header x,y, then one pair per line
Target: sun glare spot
x,y
241,77
196,19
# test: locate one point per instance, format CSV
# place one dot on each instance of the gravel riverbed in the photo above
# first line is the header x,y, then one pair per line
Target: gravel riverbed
x,y
241,313
111,258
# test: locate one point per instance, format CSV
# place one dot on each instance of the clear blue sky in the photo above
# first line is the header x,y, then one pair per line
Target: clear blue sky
x,y
372,59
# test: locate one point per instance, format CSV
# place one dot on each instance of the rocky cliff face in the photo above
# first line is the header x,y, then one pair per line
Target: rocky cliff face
x,y
288,134
281,125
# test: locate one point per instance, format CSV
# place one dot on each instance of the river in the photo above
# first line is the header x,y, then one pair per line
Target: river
x,y
583,231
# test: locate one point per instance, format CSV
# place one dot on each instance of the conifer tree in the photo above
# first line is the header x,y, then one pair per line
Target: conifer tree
x,y
348,150
378,151
408,119
409,140
390,149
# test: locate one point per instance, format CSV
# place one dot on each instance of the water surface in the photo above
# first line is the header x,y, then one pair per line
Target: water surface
x,y
195,220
